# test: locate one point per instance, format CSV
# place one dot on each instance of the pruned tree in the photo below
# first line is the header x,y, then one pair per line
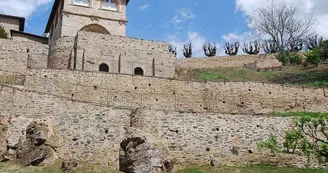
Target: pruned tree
x,y
295,46
231,49
252,48
279,23
314,42
270,46
209,49
172,49
3,33
187,50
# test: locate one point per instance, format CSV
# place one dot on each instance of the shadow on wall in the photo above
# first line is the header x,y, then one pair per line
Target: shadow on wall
x,y
95,28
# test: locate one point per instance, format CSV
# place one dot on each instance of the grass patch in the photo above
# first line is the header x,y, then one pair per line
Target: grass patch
x,y
312,77
56,168
301,114
255,169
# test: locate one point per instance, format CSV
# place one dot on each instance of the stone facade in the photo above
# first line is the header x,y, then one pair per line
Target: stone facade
x,y
12,23
91,133
166,94
19,55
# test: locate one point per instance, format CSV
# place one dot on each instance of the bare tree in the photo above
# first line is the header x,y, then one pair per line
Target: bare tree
x,y
209,49
279,22
172,49
231,49
187,50
252,48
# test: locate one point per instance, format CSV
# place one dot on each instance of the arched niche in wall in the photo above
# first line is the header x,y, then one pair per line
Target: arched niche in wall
x,y
95,28
103,67
138,71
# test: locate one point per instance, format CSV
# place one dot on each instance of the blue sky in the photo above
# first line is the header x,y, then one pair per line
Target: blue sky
x,y
177,21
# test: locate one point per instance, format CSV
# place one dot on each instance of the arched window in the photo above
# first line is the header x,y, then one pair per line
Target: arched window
x,y
95,28
138,71
109,5
104,67
81,2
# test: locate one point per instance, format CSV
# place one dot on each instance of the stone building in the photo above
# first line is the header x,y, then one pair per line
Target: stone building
x,y
12,23
90,35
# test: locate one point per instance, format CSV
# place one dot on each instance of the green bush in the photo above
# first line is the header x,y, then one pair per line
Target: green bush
x,y
272,144
314,56
289,58
324,50
3,33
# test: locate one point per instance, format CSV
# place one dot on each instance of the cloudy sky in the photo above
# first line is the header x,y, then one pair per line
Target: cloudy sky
x,y
178,21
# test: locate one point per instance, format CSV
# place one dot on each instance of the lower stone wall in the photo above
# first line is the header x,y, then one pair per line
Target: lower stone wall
x,y
93,134
253,61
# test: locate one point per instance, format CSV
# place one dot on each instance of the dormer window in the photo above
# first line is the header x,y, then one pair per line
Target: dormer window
x,y
109,5
81,2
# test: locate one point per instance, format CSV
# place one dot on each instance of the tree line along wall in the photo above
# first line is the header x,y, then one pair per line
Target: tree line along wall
x,y
265,61
129,91
91,133
17,55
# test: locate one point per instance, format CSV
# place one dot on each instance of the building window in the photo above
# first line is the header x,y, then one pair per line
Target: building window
x,y
81,2
103,67
138,71
109,5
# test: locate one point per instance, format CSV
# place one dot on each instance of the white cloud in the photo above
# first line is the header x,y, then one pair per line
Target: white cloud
x,y
197,41
22,8
143,7
183,15
319,7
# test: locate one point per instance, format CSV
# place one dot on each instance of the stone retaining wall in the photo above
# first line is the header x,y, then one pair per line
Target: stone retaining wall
x,y
131,92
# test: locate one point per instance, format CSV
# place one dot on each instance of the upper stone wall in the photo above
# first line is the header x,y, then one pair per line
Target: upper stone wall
x,y
18,55
255,61
129,91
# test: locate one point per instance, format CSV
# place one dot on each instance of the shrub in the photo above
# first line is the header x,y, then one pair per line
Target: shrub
x,y
289,58
271,144
3,33
324,50
172,49
314,56
252,48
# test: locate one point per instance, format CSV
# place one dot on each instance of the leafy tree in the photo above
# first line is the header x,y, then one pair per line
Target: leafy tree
x,y
231,49
187,50
209,49
172,49
252,48
278,21
309,136
289,58
3,33
314,56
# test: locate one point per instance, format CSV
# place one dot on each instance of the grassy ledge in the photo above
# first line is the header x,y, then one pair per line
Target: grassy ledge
x,y
301,114
250,169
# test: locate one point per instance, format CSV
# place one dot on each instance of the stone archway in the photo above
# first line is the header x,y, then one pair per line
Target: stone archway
x,y
103,67
95,28
138,71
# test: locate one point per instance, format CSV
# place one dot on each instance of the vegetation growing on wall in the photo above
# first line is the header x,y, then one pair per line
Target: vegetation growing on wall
x,y
309,136
3,33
